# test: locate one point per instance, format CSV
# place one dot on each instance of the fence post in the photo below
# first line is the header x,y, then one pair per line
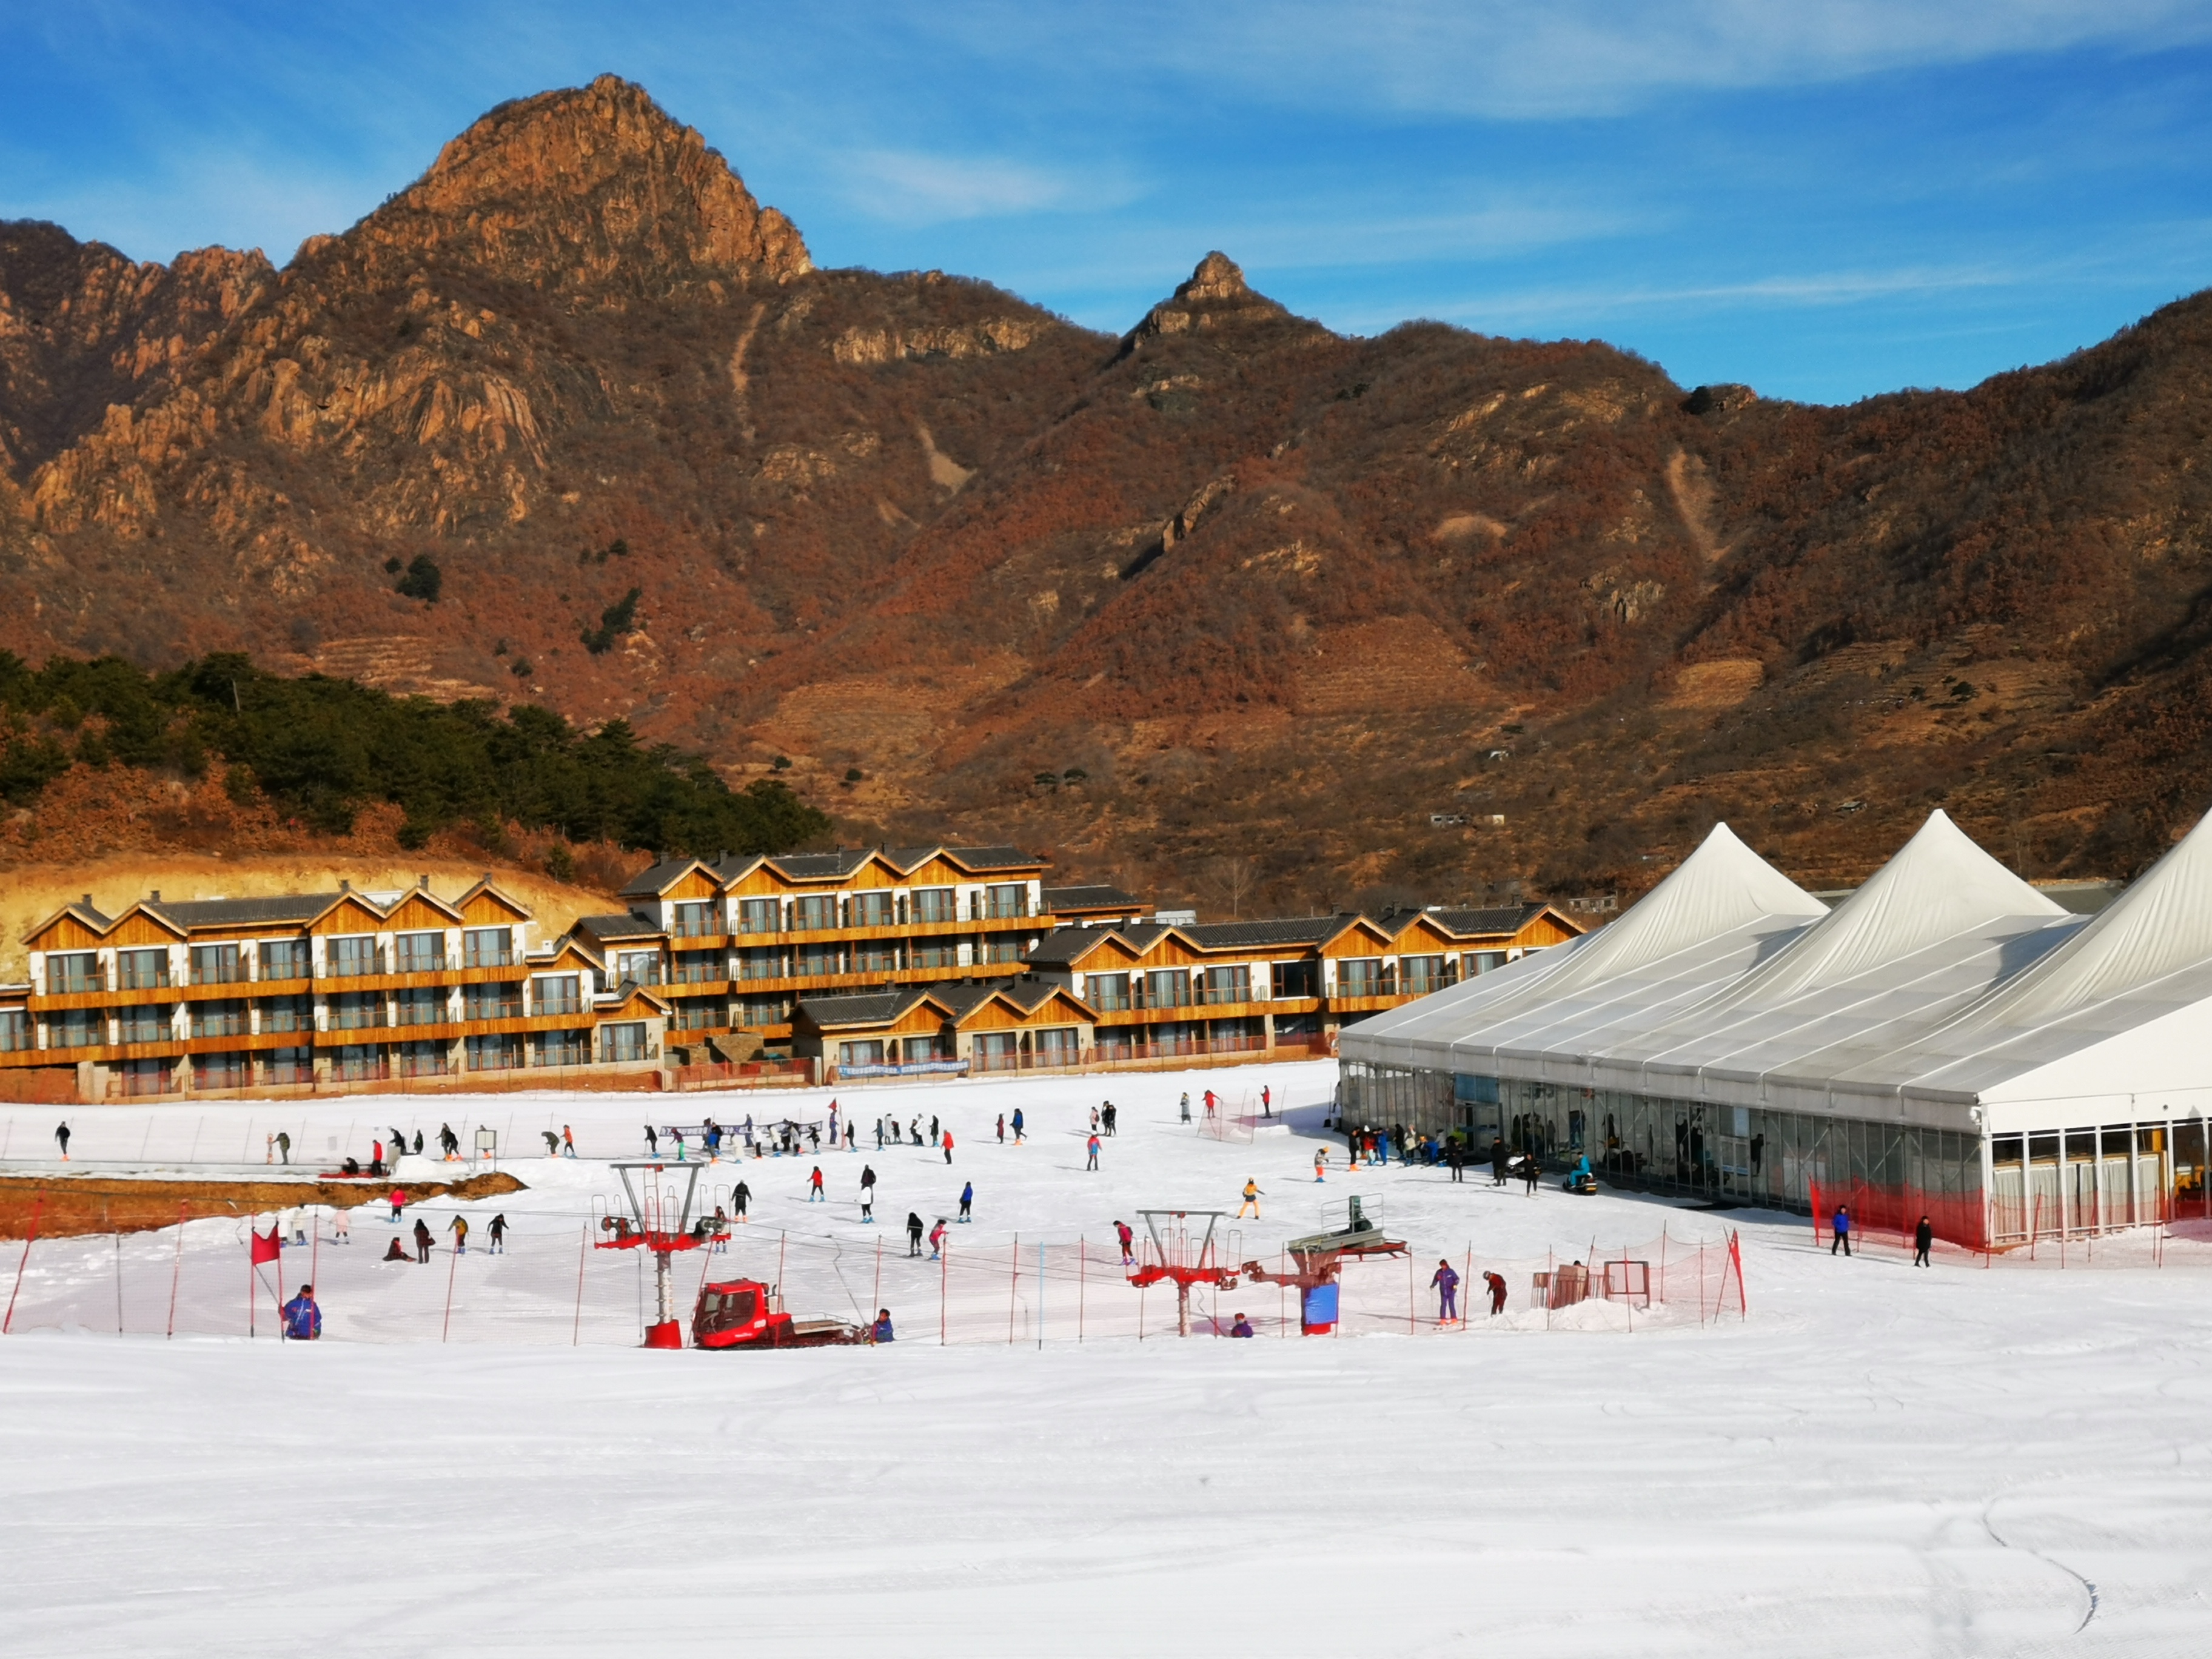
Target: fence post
x,y
944,1269
176,1272
1014,1285
583,1250
104,1221
1040,1296
452,1268
1082,1283
38,1204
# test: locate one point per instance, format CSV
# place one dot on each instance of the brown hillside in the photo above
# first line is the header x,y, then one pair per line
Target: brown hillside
x,y
1275,595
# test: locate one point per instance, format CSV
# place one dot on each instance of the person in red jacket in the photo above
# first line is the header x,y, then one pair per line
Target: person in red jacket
x,y
937,1239
1497,1288
814,1192
398,1203
948,1146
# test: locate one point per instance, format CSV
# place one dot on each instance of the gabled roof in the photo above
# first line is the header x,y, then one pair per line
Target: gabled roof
x,y
1067,947
566,944
203,914
654,882
1290,930
981,858
610,928
487,888
630,991
1062,900
1024,995
1488,921
81,911
852,1008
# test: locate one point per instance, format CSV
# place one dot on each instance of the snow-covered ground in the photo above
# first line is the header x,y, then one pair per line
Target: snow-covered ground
x,y
1953,1460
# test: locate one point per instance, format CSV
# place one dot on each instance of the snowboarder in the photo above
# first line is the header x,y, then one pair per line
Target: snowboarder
x,y
868,1193
814,1195
1092,1147
1242,1327
1018,1121
62,1135
303,1319
913,1233
948,1146
459,1226
1445,1279
283,1146
966,1202
937,1240
1842,1231
739,1199
1251,1200
881,1330
1923,1239
652,1141
1185,1105
422,1240
498,1234
1121,1231
1496,1284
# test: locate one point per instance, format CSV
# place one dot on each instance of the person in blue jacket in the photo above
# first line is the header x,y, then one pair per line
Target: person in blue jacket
x,y
1842,1231
303,1319
967,1201
1242,1327
881,1331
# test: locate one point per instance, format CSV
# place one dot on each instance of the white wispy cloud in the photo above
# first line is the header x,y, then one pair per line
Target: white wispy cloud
x,y
914,187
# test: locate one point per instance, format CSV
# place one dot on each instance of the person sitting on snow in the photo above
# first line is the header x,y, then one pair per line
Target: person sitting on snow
x,y
303,1319
881,1330
1242,1327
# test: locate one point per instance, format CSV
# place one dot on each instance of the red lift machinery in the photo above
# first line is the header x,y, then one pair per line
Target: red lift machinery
x,y
1319,1258
1175,1249
660,1197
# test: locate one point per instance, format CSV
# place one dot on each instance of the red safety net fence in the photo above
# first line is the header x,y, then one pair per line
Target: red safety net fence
x,y
1895,1210
546,1286
2030,1229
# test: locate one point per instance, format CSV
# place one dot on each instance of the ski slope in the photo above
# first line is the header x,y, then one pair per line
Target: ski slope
x,y
1951,1460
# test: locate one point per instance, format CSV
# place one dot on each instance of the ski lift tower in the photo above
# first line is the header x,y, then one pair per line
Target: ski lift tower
x,y
1179,1249
659,1221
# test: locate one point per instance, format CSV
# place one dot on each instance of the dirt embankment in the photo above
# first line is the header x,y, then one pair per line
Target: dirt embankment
x,y
72,1206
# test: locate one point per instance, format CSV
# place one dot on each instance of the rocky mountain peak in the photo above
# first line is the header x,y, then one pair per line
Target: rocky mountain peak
x,y
1218,276
588,182
1215,296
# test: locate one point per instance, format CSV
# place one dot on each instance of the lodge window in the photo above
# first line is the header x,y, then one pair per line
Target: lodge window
x,y
1167,988
1360,976
1418,975
762,1011
1480,962
287,1014
291,1065
424,1005
624,1041
701,967
355,1010
1107,992
934,904
501,1053
284,958
73,972
141,970
1003,950
494,999
702,1014
1297,979
639,966
488,947
860,1054
14,1030
145,1022
352,958
220,1072
816,959
563,1048
999,902
935,956
556,993
217,964
814,913
873,909
875,957
76,1028
418,953
697,919
222,1018
1228,985
756,915
759,964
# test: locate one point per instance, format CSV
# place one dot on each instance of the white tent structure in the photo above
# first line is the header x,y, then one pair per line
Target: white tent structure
x,y
1945,1040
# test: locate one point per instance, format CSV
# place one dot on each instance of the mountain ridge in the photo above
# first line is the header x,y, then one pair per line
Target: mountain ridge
x,y
1278,596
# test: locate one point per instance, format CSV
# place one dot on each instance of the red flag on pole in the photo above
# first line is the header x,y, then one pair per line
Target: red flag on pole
x,y
267,1250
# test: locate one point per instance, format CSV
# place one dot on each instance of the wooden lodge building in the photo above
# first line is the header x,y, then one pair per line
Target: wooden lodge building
x,y
859,962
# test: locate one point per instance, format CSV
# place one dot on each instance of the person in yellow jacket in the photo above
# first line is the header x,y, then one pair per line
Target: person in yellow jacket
x,y
1251,1201
460,1229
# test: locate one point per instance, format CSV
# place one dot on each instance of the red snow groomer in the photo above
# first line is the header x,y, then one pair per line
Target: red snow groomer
x,y
1318,1258
744,1313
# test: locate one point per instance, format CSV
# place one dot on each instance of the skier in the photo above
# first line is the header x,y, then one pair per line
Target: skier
x,y
459,1226
568,1141
1842,1231
913,1233
283,1146
881,1330
814,1193
1092,1147
399,1146
552,1143
1121,1231
1018,1126
449,1143
419,1143
1320,1164
1185,1105
1212,1102
1251,1200
62,1135
814,1139
1242,1327
966,1202
1923,1239
868,1193
398,1203
1446,1282
498,1234
879,1133
341,1230
1002,1128
678,1133
1496,1287
948,1146
303,1319
652,1141
422,1240
1267,1102
739,1199
937,1240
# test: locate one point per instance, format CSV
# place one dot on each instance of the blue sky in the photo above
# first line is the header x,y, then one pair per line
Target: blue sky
x,y
1823,200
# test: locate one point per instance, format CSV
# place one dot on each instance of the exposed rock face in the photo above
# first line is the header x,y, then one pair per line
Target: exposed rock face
x,y
1252,585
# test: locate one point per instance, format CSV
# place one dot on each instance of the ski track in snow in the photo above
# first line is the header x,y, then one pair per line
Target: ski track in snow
x,y
1879,1461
